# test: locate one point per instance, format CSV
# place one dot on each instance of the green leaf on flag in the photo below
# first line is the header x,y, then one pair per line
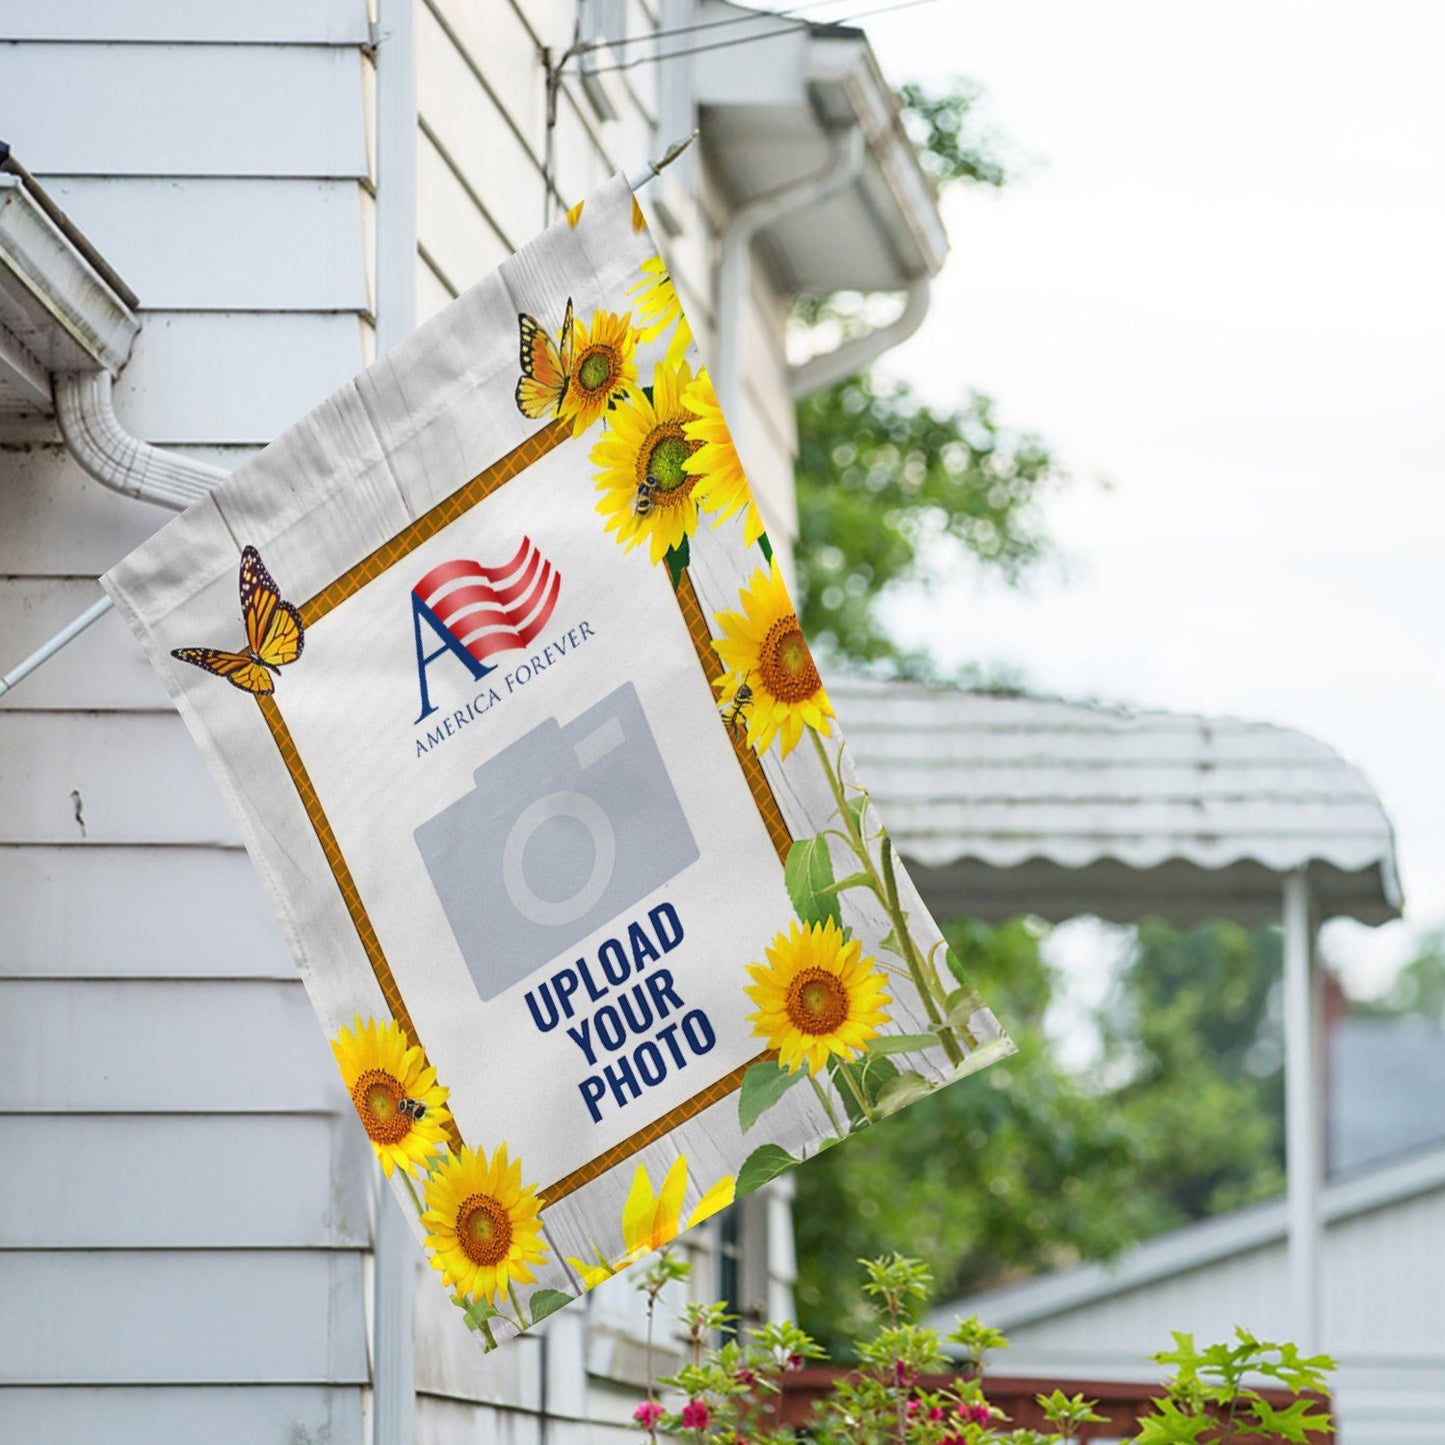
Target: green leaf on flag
x,y
955,967
546,1302
902,1043
477,1313
763,1085
870,1075
677,559
763,1164
767,547
899,1093
806,874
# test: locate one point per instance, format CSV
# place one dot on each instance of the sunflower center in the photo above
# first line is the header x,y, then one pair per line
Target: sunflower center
x,y
817,1001
660,461
598,369
785,664
376,1095
484,1229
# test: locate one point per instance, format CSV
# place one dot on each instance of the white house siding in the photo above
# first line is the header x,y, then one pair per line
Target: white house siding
x,y
184,1249
1383,1320
481,150
185,1207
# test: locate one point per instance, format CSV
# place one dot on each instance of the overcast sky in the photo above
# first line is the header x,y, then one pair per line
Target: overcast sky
x,y
1216,283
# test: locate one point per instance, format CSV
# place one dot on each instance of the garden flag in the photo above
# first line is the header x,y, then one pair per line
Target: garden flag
x,y
499,675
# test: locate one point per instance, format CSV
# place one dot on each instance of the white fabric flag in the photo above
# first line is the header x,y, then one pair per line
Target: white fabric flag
x,y
522,734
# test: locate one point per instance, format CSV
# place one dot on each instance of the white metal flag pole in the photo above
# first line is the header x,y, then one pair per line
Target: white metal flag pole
x,y
67,634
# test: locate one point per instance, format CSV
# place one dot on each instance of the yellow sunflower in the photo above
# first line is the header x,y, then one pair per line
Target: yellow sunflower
x,y
816,995
603,369
646,494
482,1224
395,1091
721,485
651,1219
764,651
658,308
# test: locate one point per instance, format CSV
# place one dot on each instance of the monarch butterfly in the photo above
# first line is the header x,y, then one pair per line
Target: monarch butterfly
x,y
274,634
546,367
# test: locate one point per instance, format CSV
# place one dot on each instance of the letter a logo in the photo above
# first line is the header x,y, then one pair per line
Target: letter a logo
x,y
476,612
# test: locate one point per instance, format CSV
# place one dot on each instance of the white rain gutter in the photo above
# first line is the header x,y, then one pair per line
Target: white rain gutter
x,y
734,274
853,355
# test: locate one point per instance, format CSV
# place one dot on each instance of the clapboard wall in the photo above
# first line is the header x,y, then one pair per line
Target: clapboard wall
x,y
187,1204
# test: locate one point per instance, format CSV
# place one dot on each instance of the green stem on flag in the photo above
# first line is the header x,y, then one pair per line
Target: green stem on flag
x,y
411,1189
826,1102
857,1092
886,887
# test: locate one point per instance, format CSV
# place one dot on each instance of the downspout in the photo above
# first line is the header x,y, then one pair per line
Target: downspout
x,y
734,273
104,449
852,356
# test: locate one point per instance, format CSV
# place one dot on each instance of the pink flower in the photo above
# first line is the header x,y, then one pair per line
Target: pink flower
x,y
745,1376
795,1362
903,1373
912,1408
978,1414
695,1415
648,1413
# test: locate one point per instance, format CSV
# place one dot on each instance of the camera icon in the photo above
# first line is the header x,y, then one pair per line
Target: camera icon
x,y
563,830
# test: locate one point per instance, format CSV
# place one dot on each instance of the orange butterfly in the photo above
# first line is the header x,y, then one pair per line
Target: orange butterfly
x,y
274,634
546,367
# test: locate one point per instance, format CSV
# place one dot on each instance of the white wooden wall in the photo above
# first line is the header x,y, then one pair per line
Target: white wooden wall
x,y
185,1203
1384,1321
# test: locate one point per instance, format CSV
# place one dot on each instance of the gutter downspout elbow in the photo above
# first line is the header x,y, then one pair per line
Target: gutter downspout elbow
x,y
116,459
734,262
852,356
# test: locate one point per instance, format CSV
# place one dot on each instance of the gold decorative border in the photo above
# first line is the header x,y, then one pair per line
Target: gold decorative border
x,y
538,445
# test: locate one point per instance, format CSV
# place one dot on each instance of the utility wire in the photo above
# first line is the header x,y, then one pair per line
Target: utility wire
x,y
751,39
748,19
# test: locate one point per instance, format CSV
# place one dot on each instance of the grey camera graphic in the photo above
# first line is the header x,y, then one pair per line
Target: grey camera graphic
x,y
564,830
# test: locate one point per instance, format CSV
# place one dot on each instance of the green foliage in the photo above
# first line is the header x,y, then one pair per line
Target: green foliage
x,y
890,490
1029,1167
1192,1033
1207,1394
943,126
897,1392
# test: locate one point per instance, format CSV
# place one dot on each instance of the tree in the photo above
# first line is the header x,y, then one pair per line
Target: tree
x,y
1029,1167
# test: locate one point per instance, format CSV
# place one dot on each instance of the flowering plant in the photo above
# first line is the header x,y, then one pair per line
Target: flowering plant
x,y
731,1393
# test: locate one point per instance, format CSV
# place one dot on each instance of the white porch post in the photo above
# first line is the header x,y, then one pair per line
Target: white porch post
x,y
1303,1132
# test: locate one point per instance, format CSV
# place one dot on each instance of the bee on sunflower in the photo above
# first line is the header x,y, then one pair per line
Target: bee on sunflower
x,y
481,1222
396,1093
817,996
763,648
646,491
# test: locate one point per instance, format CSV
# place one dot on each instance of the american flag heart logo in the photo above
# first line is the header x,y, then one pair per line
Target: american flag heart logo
x,y
492,609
